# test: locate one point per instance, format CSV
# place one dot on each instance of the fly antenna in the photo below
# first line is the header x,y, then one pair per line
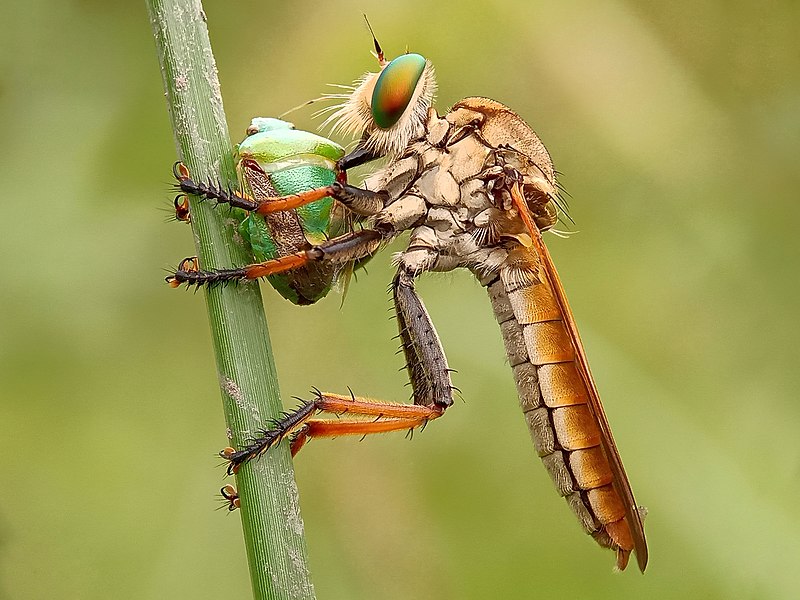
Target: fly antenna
x,y
299,106
378,49
313,101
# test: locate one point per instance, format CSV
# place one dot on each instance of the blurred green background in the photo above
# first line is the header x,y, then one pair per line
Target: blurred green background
x,y
677,128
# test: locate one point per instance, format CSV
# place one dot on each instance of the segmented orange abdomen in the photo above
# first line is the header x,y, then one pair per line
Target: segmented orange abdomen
x,y
555,401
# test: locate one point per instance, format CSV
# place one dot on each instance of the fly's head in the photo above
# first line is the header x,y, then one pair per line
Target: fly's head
x,y
389,108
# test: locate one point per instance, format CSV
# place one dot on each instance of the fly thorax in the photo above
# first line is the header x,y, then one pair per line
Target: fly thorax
x,y
396,177
449,175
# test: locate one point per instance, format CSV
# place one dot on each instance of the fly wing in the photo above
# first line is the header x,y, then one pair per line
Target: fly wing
x,y
620,480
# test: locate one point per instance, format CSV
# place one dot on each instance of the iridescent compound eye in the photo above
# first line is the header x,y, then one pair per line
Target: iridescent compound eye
x,y
395,88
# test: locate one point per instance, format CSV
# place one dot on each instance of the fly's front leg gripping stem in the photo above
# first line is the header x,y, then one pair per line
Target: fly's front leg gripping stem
x,y
207,191
360,201
342,249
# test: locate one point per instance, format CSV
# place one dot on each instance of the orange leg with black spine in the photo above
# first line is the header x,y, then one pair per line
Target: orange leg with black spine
x,y
428,373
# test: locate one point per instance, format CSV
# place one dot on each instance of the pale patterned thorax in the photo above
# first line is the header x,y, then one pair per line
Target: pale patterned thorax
x,y
459,219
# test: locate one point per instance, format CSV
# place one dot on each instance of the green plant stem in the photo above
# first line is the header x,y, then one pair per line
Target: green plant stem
x,y
273,528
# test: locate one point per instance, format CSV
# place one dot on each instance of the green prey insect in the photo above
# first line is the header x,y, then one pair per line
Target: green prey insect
x,y
475,188
275,159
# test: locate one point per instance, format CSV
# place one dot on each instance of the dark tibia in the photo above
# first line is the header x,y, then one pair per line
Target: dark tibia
x,y
425,358
362,202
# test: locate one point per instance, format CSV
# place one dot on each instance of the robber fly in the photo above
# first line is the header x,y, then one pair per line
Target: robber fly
x,y
475,188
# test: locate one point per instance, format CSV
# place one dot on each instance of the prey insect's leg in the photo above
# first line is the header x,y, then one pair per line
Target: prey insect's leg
x,y
430,382
343,249
360,201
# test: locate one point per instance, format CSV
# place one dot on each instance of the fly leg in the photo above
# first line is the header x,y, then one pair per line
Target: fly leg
x,y
342,249
207,191
360,201
299,424
360,155
428,373
425,359
346,248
